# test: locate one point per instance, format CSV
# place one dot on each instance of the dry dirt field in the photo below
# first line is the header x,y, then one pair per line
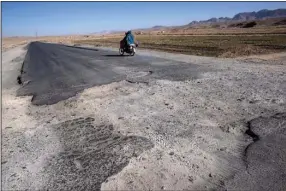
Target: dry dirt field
x,y
214,42
11,42
207,45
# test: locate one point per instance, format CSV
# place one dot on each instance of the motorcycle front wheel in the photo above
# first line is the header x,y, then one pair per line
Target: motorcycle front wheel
x,y
121,51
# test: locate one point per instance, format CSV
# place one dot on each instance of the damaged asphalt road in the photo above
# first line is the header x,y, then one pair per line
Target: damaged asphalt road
x,y
54,72
172,122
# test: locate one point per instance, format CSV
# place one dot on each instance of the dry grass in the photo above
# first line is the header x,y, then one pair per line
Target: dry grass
x,y
8,43
217,46
218,29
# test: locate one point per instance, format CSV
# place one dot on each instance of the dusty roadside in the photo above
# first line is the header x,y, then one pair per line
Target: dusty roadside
x,y
171,135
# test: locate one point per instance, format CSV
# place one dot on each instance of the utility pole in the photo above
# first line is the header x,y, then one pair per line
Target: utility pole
x,y
36,34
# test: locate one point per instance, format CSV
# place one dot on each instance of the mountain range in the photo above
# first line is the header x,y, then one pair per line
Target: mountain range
x,y
245,16
240,17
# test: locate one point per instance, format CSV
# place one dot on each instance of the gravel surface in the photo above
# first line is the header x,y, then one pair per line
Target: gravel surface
x,y
220,128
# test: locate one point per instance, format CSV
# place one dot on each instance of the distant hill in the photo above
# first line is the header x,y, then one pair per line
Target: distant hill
x,y
211,21
157,27
241,20
262,14
240,17
245,16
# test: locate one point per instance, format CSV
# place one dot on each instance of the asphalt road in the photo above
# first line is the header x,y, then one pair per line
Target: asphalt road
x,y
225,131
54,72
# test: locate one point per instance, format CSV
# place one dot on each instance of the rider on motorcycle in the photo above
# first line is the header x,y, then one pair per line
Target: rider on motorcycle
x,y
128,39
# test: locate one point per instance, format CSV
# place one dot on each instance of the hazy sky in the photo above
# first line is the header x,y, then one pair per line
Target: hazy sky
x,y
57,18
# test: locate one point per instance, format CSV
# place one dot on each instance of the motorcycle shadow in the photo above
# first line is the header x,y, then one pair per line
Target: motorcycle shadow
x,y
115,55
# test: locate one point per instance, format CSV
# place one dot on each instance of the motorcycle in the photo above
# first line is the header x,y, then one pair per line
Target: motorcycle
x,y
131,49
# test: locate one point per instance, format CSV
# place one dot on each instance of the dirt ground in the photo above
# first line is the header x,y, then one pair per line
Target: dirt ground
x,y
224,130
